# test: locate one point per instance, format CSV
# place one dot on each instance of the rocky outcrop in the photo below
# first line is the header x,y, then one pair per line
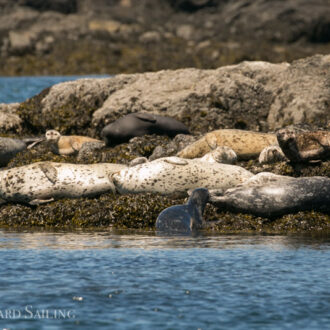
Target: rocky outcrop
x,y
9,120
303,94
259,96
252,95
98,36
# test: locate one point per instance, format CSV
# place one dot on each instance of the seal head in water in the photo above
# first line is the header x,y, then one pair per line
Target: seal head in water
x,y
184,218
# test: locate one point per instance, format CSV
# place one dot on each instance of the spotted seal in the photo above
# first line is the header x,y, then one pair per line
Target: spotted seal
x,y
176,175
139,124
67,144
9,147
186,217
223,155
45,181
271,195
304,146
246,144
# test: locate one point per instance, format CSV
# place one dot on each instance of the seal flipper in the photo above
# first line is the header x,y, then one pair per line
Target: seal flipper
x,y
75,145
41,201
146,117
211,140
138,161
49,170
271,154
31,142
175,161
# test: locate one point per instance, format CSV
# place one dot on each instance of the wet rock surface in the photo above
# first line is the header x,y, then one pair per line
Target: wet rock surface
x,y
99,36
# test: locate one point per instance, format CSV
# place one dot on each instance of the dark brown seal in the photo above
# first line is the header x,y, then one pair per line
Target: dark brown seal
x,y
301,147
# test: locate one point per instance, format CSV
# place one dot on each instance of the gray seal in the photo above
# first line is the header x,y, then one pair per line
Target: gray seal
x,y
9,147
184,218
270,195
139,124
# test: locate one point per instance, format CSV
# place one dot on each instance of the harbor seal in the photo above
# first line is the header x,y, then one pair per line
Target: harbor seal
x,y
246,144
67,145
271,154
45,181
176,175
186,217
270,195
223,155
9,147
139,124
304,146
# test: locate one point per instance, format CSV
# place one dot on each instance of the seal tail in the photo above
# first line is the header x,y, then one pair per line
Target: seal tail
x,y
31,142
195,150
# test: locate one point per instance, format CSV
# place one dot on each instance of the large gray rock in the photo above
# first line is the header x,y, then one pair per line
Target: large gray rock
x,y
9,120
302,94
255,95
251,95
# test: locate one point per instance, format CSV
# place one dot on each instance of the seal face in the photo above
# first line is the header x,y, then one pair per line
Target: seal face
x,y
246,144
176,175
304,146
184,218
270,195
139,124
43,181
67,145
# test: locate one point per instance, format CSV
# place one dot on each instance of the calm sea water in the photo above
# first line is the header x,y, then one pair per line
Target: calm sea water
x,y
103,280
107,281
18,89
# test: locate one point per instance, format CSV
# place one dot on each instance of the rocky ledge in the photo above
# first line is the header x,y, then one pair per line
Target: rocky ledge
x,y
258,96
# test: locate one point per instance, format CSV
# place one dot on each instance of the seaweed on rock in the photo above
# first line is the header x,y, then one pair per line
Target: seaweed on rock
x,y
140,211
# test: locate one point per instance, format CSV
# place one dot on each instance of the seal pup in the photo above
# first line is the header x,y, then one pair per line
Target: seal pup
x,y
9,147
176,175
304,146
67,145
139,124
270,195
186,217
45,181
246,144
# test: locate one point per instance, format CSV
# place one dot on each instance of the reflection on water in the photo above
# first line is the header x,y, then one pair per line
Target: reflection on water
x,y
79,240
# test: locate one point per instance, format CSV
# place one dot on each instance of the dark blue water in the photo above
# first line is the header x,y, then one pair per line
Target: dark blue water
x,y
101,280
108,281
18,89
